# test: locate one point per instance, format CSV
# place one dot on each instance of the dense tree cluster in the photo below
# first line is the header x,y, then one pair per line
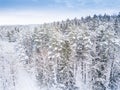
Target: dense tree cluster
x,y
78,54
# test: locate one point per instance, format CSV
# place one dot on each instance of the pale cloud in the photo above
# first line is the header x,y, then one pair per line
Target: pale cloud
x,y
32,17
76,3
40,17
98,1
67,3
88,3
34,0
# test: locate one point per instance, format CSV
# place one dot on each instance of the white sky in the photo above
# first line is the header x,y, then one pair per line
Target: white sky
x,y
12,17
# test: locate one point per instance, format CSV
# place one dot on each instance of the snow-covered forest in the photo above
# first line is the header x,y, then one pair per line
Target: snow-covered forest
x,y
78,54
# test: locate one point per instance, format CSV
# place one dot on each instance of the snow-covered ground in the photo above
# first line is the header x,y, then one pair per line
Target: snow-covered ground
x,y
23,79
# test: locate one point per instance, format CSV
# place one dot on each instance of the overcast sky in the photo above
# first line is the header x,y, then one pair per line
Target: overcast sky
x,y
41,11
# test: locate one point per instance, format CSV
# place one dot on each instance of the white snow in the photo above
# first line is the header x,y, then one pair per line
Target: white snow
x,y
23,79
